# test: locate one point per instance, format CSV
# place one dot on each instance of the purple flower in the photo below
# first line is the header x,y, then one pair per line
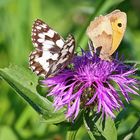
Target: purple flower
x,y
92,83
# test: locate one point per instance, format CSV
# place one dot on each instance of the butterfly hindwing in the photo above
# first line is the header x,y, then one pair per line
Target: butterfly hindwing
x,y
51,50
35,65
65,56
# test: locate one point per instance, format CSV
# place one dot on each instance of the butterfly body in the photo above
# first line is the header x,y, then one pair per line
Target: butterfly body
x,y
106,32
52,53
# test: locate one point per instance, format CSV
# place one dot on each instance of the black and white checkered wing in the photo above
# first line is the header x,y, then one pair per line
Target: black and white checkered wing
x,y
49,47
65,55
44,37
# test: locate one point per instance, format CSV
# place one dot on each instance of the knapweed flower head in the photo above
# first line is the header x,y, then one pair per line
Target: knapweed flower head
x,y
92,83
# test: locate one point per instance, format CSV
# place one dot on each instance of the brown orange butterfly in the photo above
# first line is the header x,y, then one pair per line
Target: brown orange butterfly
x,y
106,32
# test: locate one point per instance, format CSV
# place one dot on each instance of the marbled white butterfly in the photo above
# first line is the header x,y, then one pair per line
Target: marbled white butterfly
x,y
52,53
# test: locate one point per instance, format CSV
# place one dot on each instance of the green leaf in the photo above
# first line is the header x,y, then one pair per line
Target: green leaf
x,y
24,82
89,126
7,133
107,129
98,128
74,127
131,133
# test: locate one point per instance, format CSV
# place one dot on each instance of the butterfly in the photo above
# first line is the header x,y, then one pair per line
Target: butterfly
x,y
52,53
106,33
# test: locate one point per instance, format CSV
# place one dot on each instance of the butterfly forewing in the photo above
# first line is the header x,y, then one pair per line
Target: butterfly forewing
x,y
44,37
51,49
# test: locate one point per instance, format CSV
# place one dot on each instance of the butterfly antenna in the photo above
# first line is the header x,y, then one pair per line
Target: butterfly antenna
x,y
90,46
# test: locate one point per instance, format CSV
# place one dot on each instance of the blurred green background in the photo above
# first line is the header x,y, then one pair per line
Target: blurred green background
x,y
18,121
